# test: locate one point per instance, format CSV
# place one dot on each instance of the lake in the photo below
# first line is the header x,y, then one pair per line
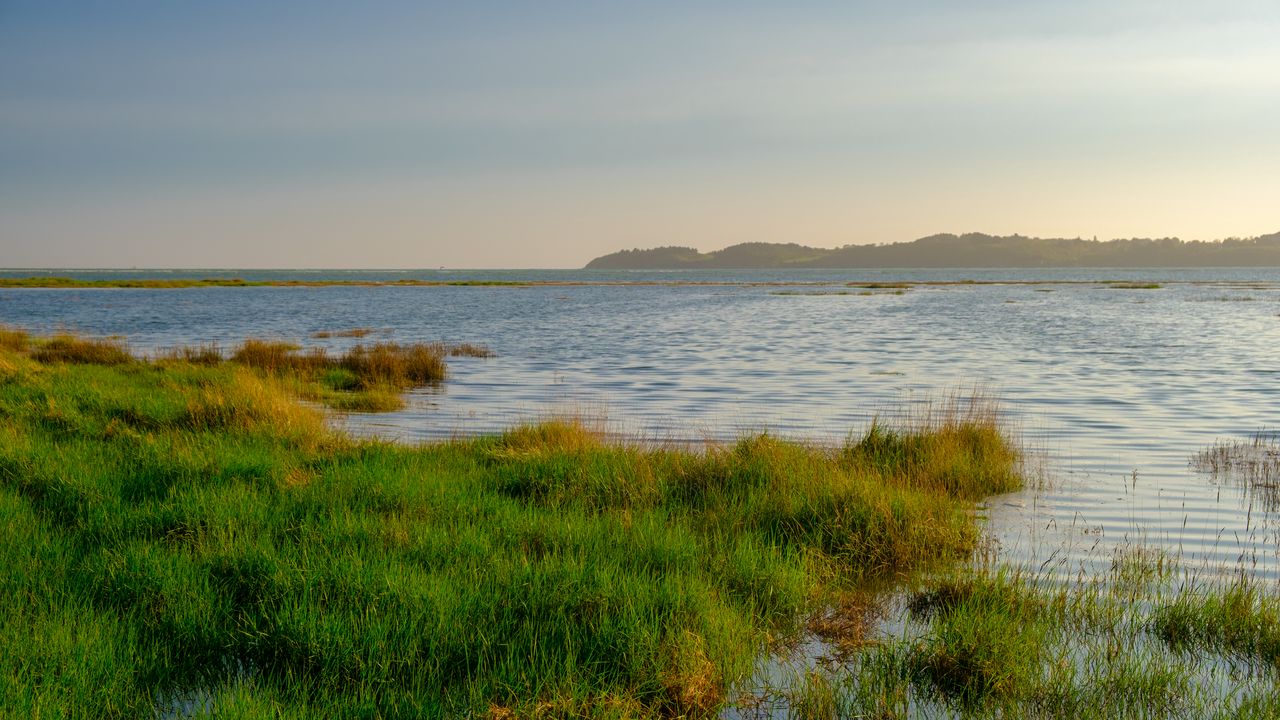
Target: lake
x,y
1113,387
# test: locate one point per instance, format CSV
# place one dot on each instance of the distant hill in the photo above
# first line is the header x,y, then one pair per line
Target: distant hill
x,y
968,250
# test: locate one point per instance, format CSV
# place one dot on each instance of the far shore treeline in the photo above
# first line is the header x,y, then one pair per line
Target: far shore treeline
x,y
968,250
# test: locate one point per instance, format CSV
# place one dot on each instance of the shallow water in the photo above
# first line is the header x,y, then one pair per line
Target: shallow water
x,y
1117,387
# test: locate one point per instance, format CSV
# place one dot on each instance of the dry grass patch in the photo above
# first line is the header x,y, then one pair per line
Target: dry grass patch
x,y
14,339
207,354
86,351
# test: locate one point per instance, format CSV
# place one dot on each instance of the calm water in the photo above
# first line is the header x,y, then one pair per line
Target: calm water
x,y
1118,387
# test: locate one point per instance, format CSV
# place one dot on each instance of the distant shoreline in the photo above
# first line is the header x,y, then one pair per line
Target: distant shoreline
x,y
947,251
68,283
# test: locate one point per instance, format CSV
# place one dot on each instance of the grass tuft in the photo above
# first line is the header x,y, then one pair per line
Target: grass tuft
x,y
471,350
1239,621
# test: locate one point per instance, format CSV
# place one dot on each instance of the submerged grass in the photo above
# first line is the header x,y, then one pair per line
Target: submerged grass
x,y
1149,640
1255,461
184,531
348,333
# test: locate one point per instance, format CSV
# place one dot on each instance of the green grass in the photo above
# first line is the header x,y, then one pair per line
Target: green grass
x,y
185,529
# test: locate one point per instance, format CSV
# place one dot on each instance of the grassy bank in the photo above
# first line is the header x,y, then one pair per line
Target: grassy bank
x,y
365,378
182,535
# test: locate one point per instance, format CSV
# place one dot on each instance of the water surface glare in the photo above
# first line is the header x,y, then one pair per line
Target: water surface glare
x,y
1118,386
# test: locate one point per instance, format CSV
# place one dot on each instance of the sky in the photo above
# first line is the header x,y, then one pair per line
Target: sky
x,y
542,134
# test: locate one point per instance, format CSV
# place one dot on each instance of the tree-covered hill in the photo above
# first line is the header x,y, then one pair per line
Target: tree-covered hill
x,y
968,250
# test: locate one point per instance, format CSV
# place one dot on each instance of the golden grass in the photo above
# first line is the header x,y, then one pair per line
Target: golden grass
x,y
207,354
395,364
14,338
251,402
383,363
470,350
270,355
89,351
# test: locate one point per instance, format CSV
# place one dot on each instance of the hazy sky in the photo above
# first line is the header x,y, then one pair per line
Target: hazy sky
x,y
542,134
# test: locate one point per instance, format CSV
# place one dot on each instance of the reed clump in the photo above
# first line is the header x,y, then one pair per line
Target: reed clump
x,y
206,354
395,364
366,378
372,365
1256,460
1252,464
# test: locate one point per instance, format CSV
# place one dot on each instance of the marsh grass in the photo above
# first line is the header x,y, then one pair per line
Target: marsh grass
x,y
75,349
471,350
1255,461
181,529
207,354
812,293
15,339
1149,639
155,283
366,378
